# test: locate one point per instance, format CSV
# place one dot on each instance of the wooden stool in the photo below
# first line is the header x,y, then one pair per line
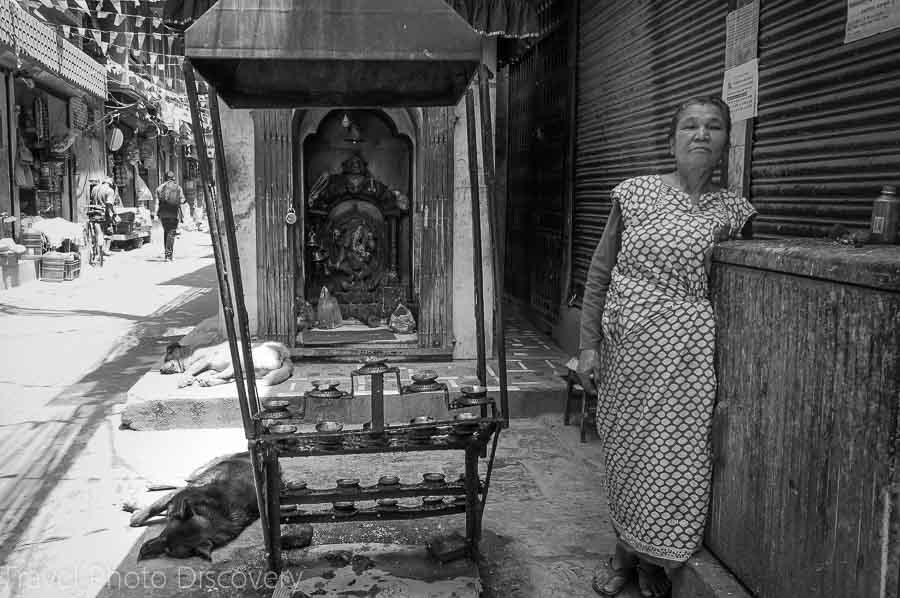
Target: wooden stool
x,y
575,391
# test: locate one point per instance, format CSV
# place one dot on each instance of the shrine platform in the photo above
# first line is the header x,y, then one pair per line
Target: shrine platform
x,y
535,366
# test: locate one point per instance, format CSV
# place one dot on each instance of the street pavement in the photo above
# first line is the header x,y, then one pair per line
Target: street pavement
x,y
73,350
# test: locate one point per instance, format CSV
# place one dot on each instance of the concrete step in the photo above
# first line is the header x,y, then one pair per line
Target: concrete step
x,y
156,402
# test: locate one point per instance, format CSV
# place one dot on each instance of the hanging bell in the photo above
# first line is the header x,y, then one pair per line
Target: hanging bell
x,y
291,216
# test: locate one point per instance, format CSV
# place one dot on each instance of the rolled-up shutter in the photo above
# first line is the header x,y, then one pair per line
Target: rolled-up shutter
x,y
636,62
827,136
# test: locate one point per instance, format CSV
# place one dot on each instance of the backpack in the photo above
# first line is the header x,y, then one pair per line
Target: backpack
x,y
170,195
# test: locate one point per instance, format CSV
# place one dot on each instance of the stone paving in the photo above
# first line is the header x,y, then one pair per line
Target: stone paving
x,y
74,350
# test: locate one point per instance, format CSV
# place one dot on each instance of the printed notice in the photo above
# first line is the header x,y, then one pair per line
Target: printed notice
x,y
868,17
741,31
740,90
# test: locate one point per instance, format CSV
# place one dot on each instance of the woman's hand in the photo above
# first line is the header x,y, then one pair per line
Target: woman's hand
x,y
588,360
588,364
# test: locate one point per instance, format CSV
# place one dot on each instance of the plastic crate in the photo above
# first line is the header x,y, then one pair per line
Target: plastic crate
x,y
33,242
72,270
53,269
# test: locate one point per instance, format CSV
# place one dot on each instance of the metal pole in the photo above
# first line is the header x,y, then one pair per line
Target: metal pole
x,y
487,149
215,235
234,258
225,292
481,366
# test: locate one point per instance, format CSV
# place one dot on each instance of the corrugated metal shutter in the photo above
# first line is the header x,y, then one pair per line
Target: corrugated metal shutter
x,y
637,61
538,115
827,136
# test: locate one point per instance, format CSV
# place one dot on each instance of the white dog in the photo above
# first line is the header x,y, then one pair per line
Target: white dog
x,y
271,363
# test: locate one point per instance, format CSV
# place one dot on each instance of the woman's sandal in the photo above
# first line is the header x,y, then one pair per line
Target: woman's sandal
x,y
648,573
611,585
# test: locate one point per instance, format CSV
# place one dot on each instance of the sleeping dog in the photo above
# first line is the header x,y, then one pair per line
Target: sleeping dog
x,y
211,366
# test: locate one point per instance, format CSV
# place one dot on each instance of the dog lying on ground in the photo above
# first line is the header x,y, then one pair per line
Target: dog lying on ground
x,y
271,362
218,503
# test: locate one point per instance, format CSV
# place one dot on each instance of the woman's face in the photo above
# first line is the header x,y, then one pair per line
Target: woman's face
x,y
700,136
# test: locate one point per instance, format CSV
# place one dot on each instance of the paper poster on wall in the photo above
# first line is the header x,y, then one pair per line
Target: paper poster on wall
x,y
869,17
741,32
740,90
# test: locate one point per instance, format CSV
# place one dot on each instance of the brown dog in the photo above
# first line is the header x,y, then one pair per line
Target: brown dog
x,y
218,503
271,362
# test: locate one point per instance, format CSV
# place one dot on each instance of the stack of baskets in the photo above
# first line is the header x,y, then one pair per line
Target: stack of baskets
x,y
59,267
33,242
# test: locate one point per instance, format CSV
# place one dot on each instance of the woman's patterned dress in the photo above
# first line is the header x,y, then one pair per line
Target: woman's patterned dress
x,y
657,384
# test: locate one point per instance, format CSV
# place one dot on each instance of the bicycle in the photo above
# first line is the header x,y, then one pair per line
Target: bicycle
x,y
92,240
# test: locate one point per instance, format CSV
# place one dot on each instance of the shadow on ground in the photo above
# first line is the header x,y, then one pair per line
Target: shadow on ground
x,y
51,454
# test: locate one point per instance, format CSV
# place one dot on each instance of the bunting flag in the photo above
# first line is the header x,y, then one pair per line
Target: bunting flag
x,y
104,47
117,5
83,5
66,30
98,36
118,19
140,39
156,22
138,22
81,31
129,38
102,14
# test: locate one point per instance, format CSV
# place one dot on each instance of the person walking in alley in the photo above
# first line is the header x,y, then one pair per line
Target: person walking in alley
x,y
169,197
101,211
647,335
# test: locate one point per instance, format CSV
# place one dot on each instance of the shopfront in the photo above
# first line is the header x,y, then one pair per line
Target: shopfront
x,y
51,142
44,158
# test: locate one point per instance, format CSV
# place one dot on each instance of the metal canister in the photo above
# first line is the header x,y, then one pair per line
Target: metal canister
x,y
885,216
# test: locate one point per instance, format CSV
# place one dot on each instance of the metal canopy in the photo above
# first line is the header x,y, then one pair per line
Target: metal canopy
x,y
282,53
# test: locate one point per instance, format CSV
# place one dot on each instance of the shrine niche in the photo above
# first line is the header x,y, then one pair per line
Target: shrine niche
x,y
358,234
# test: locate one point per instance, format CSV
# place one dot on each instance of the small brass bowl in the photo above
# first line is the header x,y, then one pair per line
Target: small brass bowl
x,y
344,505
329,426
295,485
388,480
466,417
433,478
422,419
425,377
276,404
282,429
348,483
433,501
387,504
475,389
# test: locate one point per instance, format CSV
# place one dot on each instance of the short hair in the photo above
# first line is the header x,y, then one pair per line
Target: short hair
x,y
702,101
170,174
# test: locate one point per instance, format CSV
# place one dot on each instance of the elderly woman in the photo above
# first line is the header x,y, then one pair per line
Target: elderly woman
x,y
647,334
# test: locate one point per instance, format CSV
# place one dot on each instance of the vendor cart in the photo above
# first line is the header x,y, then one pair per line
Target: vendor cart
x,y
133,228
387,53
134,239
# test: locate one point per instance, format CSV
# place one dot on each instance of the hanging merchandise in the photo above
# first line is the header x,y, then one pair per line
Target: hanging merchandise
x,y
120,176
24,161
41,120
132,152
116,139
78,113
